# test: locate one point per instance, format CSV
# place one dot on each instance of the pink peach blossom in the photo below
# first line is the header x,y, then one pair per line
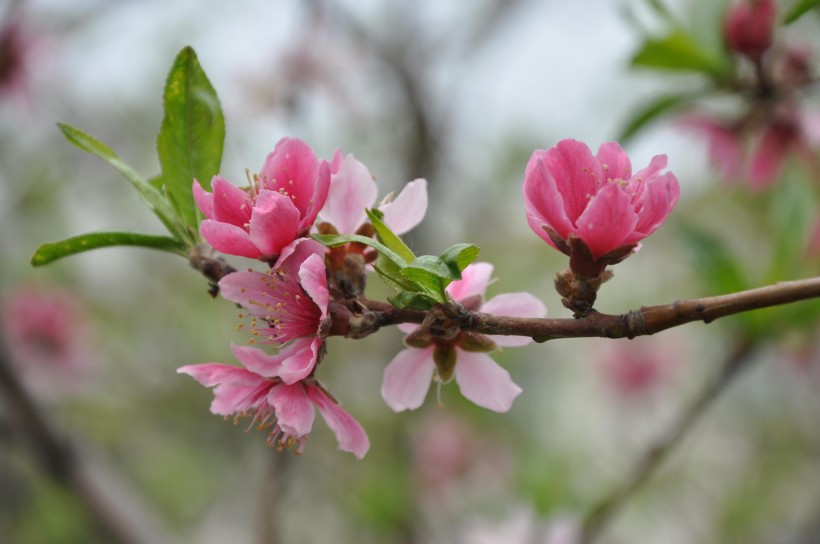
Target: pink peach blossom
x,y
408,376
749,27
571,193
258,392
352,190
287,305
279,206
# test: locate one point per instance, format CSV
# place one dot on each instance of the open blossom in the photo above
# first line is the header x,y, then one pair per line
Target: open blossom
x,y
279,206
352,190
288,306
409,375
749,27
571,194
258,392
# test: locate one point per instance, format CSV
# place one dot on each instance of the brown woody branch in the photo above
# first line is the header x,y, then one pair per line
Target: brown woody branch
x,y
361,317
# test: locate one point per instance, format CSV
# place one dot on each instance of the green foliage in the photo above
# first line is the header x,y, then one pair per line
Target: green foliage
x,y
652,111
149,194
52,251
798,9
191,136
419,282
679,51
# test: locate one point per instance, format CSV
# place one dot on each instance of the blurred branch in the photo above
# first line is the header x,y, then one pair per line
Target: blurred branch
x,y
607,508
58,458
359,318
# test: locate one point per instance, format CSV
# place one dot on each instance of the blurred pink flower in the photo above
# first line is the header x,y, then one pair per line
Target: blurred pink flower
x,y
258,392
748,28
47,336
288,305
572,195
16,46
352,190
637,368
408,376
279,206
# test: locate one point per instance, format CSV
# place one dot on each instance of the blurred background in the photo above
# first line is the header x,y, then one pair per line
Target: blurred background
x,y
460,93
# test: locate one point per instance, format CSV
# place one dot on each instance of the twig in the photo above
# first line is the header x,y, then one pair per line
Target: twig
x,y
606,509
644,321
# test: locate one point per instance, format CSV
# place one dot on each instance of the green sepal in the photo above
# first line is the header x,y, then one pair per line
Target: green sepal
x,y
679,51
458,257
412,300
52,251
148,193
192,134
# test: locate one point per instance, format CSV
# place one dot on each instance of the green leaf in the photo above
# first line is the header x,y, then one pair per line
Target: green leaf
x,y
798,9
333,240
680,52
431,275
792,211
52,251
388,238
149,194
412,300
652,111
459,257
715,261
192,133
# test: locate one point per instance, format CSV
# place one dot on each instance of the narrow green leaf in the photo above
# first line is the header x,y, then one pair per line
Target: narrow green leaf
x,y
192,133
157,182
333,240
412,301
391,275
149,194
52,251
459,257
388,238
652,111
680,52
715,261
798,9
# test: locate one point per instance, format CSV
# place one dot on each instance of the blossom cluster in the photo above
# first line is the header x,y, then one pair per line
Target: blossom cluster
x,y
288,305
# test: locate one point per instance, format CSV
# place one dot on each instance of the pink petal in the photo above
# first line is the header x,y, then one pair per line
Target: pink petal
x,y
659,197
514,305
257,361
724,145
577,174
313,278
614,161
294,411
299,359
352,189
274,222
407,379
407,328
229,239
231,204
543,200
608,220
246,288
482,381
408,209
768,158
349,433
233,399
317,201
212,374
474,281
296,252
204,200
638,182
336,161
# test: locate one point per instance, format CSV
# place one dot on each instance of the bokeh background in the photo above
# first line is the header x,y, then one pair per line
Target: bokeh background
x,y
460,93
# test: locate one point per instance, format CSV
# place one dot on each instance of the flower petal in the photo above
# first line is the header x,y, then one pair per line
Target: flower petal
x,y
352,189
230,203
474,281
257,361
614,161
211,374
313,278
407,379
514,305
608,220
274,223
299,359
204,200
294,411
229,239
543,200
659,197
349,433
484,382
408,208
577,174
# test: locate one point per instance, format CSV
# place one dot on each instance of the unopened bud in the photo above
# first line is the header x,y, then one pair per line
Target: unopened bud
x,y
749,27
